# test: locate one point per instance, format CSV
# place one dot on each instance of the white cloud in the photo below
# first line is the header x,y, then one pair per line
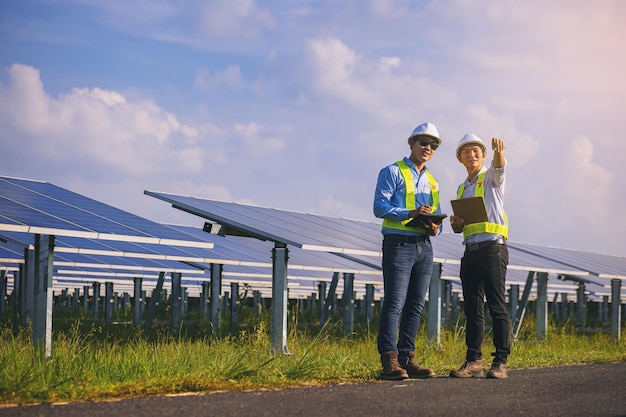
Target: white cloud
x,y
383,89
230,77
257,140
235,18
94,129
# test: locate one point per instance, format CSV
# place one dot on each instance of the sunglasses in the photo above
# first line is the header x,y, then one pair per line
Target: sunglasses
x,y
425,143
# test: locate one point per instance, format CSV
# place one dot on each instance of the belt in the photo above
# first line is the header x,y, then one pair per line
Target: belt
x,y
407,238
471,247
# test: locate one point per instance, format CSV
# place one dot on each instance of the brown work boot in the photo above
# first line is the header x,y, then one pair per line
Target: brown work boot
x,y
498,370
473,369
391,367
413,369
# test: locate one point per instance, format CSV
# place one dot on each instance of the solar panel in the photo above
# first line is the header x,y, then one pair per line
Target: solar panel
x,y
40,207
309,232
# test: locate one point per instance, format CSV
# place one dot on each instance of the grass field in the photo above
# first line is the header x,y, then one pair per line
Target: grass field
x,y
91,362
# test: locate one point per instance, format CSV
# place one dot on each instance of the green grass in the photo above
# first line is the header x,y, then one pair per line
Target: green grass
x,y
91,362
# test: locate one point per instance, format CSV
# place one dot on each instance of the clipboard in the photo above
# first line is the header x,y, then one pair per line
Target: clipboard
x,y
436,218
471,210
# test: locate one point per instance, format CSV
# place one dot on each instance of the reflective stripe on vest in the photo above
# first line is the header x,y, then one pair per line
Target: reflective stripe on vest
x,y
483,227
410,198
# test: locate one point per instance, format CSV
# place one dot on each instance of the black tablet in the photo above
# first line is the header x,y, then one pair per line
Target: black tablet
x,y
436,218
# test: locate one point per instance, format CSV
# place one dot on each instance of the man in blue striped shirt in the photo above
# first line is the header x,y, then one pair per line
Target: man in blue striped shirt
x,y
406,189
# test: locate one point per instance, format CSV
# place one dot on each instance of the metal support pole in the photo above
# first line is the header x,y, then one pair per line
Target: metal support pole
x,y
136,301
434,305
369,303
42,318
563,307
76,300
150,312
96,300
16,296
3,295
216,291
204,301
581,304
234,306
521,310
616,319
604,309
256,301
348,303
175,303
513,299
542,305
279,298
27,302
446,301
328,300
85,300
108,302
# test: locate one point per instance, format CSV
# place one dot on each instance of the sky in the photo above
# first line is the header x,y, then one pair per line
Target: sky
x,y
297,105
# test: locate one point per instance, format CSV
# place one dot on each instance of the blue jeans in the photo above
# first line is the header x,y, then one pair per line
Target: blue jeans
x,y
483,272
407,269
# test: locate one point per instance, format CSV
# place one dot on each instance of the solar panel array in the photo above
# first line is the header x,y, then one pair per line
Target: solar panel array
x,y
360,241
97,242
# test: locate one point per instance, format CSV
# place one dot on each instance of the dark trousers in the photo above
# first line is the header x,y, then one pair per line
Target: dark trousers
x,y
483,271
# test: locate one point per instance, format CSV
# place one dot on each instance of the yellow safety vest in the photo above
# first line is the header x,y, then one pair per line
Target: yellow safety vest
x,y
410,198
483,227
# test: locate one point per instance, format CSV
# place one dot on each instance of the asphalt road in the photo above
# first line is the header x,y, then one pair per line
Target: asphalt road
x,y
585,390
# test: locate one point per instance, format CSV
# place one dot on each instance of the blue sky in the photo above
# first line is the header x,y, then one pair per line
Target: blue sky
x,y
298,104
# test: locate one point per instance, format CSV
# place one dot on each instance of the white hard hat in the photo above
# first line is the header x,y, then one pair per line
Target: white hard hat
x,y
426,129
470,139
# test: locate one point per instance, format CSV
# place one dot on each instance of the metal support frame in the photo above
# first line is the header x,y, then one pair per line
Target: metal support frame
x,y
27,288
138,294
234,306
3,294
563,307
446,301
204,301
321,290
150,312
256,301
280,256
108,302
329,299
616,304
42,318
347,300
96,300
541,305
434,305
581,304
216,291
603,311
76,300
176,316
513,299
521,310
369,303
16,296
